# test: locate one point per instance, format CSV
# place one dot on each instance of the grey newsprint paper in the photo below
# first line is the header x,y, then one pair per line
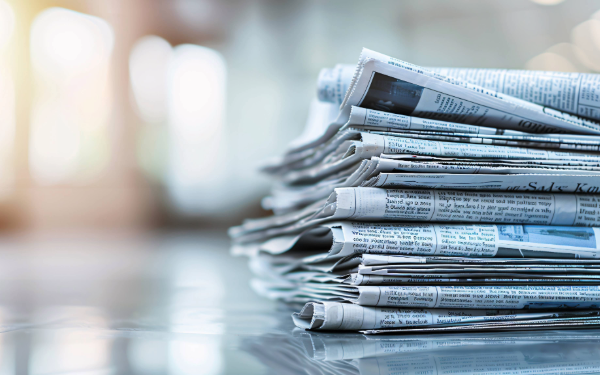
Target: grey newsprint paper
x,y
435,200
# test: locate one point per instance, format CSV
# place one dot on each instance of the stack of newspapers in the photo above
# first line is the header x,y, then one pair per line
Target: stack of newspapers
x,y
436,200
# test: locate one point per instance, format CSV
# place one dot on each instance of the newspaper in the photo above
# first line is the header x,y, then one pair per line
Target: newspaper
x,y
351,148
404,88
375,204
543,324
490,182
320,276
404,243
483,145
332,84
383,123
320,115
393,125
521,297
341,316
285,198
436,189
566,279
449,205
373,120
434,261
513,271
362,294
385,83
568,92
479,297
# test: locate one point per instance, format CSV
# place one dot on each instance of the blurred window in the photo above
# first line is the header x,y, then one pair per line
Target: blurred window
x,y
70,56
196,106
148,66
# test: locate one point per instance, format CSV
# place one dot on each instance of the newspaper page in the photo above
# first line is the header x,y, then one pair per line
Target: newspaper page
x,y
568,295
368,120
285,197
353,147
376,204
350,154
358,279
573,93
320,115
435,260
403,145
343,316
514,271
333,83
345,245
531,325
464,240
569,92
374,119
392,85
474,167
481,297
494,140
489,182
581,100
442,132
453,205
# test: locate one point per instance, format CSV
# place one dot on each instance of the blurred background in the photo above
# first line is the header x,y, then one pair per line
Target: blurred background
x,y
142,114
140,119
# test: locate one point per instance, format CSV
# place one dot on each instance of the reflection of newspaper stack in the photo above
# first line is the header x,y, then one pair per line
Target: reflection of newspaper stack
x,y
551,352
431,189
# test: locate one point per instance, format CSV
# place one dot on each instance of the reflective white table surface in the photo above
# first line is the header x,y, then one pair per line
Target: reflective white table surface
x,y
177,303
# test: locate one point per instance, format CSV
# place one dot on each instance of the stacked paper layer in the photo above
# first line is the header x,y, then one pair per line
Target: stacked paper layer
x,y
436,199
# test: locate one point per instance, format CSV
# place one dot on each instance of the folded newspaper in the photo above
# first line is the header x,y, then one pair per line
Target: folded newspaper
x,y
424,200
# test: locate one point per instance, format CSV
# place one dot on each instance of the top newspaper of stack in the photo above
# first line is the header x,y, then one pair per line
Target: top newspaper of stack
x,y
533,102
396,119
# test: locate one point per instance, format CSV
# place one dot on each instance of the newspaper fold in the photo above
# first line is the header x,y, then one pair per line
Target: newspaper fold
x,y
568,92
478,297
341,316
402,243
384,83
375,204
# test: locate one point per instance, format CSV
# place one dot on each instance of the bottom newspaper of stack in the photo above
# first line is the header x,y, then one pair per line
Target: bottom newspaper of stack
x,y
396,277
